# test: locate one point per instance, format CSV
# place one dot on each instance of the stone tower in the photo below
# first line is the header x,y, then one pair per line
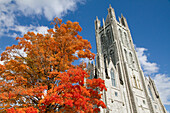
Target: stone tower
x,y
128,91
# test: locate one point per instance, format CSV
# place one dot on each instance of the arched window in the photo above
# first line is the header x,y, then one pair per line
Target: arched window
x,y
113,78
103,41
126,56
109,36
131,59
112,54
120,33
139,83
102,38
150,92
126,40
135,82
105,66
105,57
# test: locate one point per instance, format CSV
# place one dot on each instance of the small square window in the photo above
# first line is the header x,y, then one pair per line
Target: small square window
x,y
116,94
143,101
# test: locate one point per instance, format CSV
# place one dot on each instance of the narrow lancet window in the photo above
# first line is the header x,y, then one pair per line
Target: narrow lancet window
x,y
109,36
150,92
105,58
131,59
120,33
126,56
135,83
112,54
113,78
103,41
126,40
102,38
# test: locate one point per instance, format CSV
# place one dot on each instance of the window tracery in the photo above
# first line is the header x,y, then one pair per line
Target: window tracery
x,y
109,36
112,54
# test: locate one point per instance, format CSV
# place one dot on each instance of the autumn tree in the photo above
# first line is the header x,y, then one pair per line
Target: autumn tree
x,y
38,74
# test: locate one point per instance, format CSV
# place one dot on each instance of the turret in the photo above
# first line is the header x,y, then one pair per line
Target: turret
x,y
97,23
103,25
123,21
111,12
98,41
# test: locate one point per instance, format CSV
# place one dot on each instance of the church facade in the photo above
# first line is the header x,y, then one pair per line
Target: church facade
x,y
128,90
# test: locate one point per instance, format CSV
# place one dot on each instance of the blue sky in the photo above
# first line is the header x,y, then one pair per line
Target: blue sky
x,y
148,20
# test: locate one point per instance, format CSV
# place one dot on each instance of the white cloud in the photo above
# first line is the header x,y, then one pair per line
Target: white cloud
x,y
35,29
50,8
11,9
18,52
1,62
15,52
85,60
148,67
162,82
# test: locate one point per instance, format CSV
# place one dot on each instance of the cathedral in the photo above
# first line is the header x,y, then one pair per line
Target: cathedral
x,y
128,90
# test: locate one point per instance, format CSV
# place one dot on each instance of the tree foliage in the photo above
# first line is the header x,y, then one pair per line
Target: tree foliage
x,y
38,74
